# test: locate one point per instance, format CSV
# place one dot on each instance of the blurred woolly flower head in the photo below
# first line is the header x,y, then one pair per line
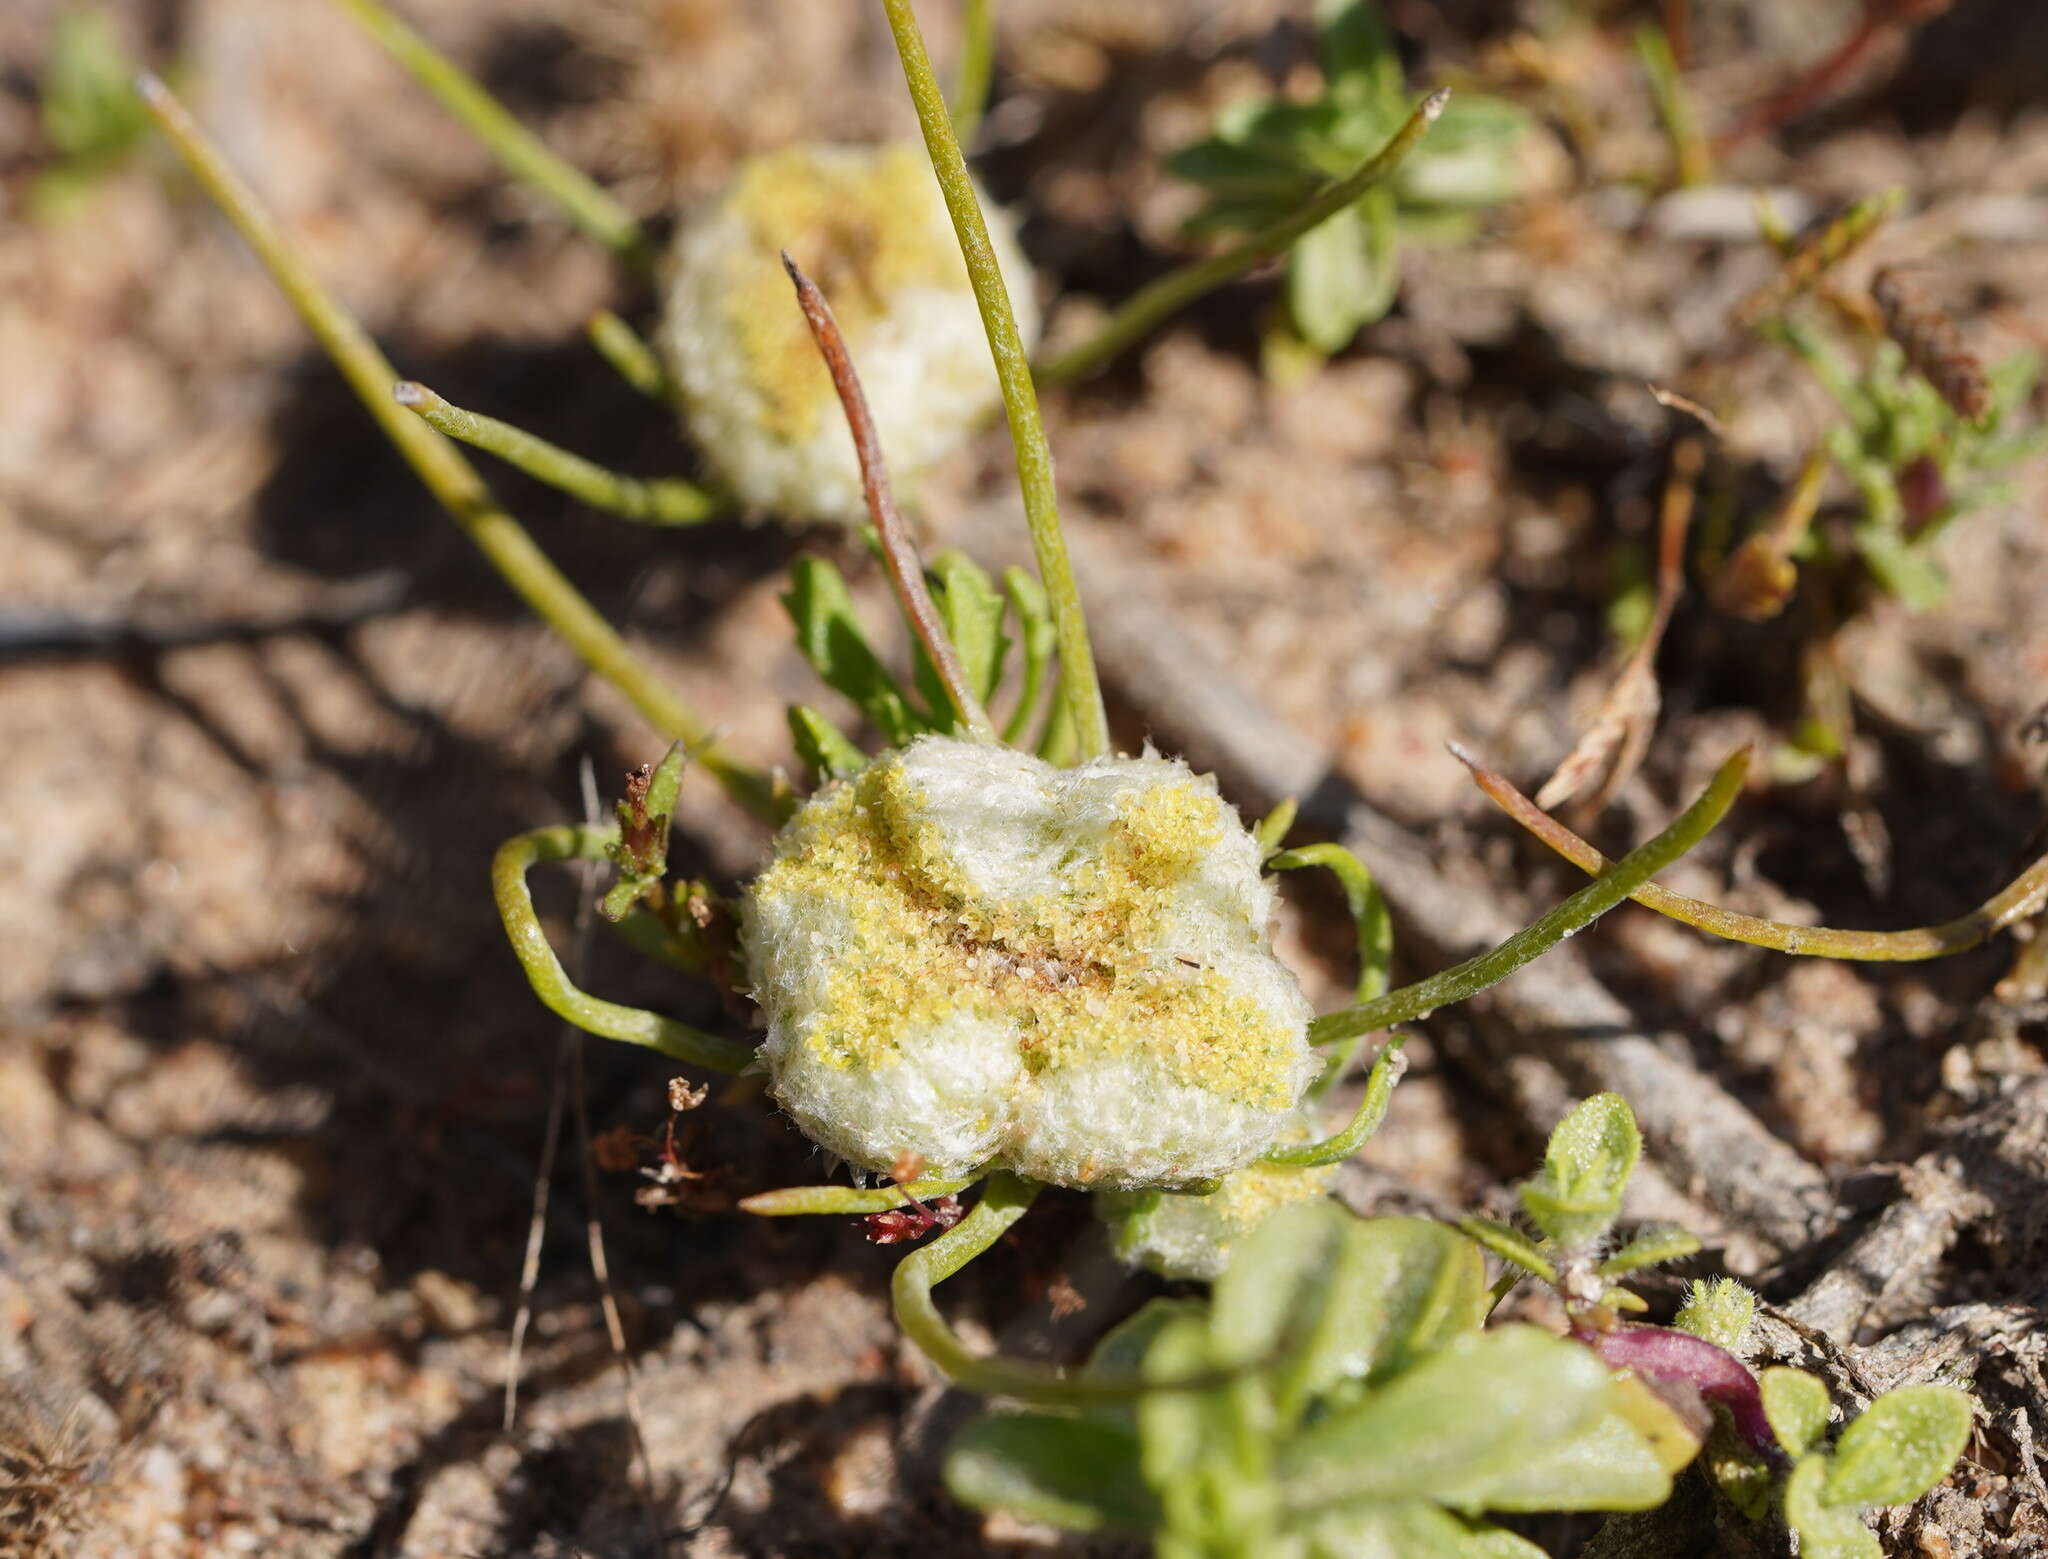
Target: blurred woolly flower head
x,y
969,956
1191,1237
869,226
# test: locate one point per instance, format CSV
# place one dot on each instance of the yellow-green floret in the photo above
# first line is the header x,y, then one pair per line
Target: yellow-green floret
x,y
968,955
867,224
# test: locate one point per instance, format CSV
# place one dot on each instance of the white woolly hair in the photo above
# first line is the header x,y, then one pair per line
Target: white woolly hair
x,y
1005,828
923,359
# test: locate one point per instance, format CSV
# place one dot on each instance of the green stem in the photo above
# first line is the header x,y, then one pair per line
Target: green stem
x,y
797,1200
1171,293
1467,979
665,501
1007,1198
518,150
1080,686
1372,1110
977,67
608,1020
450,478
631,358
2016,901
1368,913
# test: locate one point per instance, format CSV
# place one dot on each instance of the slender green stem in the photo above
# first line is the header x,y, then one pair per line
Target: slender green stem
x,y
1692,160
1372,1110
977,67
845,1199
632,359
450,478
2022,897
608,1020
1581,909
1368,913
1144,309
1006,1199
518,150
1080,687
664,501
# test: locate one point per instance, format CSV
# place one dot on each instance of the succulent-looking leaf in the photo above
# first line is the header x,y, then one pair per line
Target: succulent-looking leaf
x,y
1453,1429
1411,1529
1900,1446
1796,1403
1825,1531
1078,1474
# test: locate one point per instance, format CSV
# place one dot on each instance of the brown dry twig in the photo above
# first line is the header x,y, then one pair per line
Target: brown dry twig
x,y
1932,344
1880,20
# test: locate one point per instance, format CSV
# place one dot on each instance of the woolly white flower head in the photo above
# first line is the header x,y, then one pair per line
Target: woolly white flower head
x,y
869,226
968,956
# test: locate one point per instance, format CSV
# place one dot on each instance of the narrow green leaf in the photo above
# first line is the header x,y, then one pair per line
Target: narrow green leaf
x,y
1038,638
1900,1446
1825,1532
972,612
1510,1244
824,749
1359,59
833,641
1649,1248
1796,1404
1453,1427
1078,1474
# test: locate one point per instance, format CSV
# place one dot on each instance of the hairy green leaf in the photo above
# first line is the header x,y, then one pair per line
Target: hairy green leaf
x,y
1796,1404
1649,1248
1586,1167
1900,1446
1825,1531
971,609
1510,1244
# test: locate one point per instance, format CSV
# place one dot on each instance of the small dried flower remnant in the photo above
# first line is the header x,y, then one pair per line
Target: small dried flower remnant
x,y
866,223
967,954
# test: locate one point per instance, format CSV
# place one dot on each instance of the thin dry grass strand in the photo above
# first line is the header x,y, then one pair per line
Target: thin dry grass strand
x,y
600,1265
2025,895
1618,738
899,551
